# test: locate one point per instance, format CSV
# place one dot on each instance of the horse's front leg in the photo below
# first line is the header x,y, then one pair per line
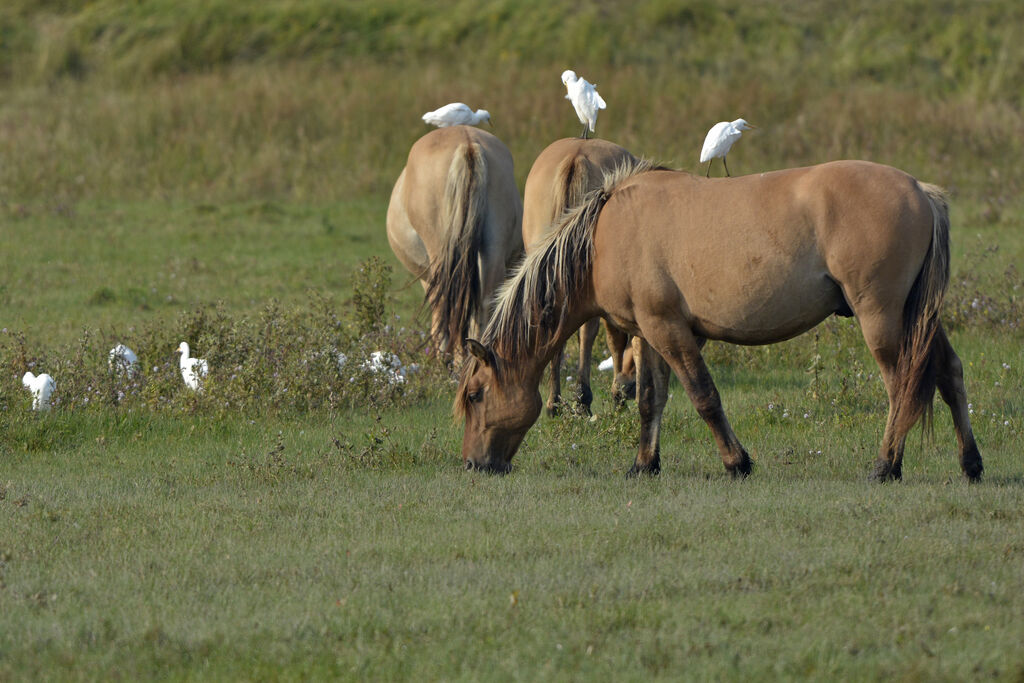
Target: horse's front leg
x,y
681,349
652,373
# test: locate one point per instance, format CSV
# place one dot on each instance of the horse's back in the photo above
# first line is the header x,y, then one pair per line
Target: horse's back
x,y
560,166
758,258
417,201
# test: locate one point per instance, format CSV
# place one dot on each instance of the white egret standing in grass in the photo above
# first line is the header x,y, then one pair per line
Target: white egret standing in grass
x,y
123,360
720,139
585,100
193,370
42,387
456,114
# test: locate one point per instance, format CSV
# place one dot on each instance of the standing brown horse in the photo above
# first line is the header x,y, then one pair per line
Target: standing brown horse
x,y
559,179
454,222
677,259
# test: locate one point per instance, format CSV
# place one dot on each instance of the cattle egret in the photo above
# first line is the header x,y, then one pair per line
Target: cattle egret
x,y
585,100
123,360
456,114
606,364
193,370
384,365
42,387
720,139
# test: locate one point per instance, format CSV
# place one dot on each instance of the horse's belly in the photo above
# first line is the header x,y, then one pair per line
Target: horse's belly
x,y
762,310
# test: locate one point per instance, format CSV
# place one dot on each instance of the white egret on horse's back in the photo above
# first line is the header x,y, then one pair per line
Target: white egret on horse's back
x,y
585,100
720,140
456,114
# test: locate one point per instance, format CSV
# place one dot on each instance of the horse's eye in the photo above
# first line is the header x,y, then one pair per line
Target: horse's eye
x,y
476,396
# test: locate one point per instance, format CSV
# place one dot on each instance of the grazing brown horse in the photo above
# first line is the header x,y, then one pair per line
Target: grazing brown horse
x,y
559,179
677,259
454,222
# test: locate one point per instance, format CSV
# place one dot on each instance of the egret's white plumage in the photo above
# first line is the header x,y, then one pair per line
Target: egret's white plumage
x,y
193,370
387,366
456,114
42,387
123,360
720,140
585,99
606,365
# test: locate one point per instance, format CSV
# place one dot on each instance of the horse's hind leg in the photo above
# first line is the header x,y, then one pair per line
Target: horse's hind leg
x,y
882,333
950,382
652,392
588,333
682,351
624,381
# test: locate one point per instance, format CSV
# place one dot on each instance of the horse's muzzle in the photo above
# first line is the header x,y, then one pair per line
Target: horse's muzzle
x,y
489,468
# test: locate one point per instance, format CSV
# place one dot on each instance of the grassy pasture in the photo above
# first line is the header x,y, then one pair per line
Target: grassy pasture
x,y
219,171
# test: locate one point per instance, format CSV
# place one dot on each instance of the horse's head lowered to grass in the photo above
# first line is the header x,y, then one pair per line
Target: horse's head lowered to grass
x,y
498,413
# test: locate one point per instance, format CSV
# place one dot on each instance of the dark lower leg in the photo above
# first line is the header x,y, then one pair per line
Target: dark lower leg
x,y
726,164
588,333
652,392
700,387
624,381
889,464
950,382
555,395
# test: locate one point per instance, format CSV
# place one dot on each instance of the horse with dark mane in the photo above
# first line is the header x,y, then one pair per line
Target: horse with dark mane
x,y
454,222
677,259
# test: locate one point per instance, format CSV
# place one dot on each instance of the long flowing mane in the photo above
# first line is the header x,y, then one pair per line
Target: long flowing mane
x,y
530,307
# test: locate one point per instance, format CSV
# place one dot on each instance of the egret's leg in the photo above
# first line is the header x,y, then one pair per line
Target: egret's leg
x,y
584,133
707,174
726,167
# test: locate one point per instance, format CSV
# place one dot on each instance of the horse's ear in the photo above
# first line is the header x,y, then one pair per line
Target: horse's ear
x,y
481,352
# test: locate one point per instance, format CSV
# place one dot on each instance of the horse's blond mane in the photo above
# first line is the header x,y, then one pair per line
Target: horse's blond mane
x,y
531,304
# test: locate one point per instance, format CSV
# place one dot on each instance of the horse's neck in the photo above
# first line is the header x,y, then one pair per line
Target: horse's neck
x,y
544,347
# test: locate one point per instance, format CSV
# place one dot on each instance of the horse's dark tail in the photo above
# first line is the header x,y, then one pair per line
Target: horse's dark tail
x,y
455,287
916,363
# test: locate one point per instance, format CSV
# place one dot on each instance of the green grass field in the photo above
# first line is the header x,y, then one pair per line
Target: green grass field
x,y
219,172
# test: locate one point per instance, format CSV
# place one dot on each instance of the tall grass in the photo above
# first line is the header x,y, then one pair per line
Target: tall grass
x,y
313,101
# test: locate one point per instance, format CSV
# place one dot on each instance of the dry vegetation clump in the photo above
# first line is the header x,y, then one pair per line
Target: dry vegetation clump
x,y
276,362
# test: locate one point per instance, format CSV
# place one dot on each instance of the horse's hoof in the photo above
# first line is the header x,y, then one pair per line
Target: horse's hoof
x,y
552,411
885,472
741,471
970,462
623,392
584,397
651,468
